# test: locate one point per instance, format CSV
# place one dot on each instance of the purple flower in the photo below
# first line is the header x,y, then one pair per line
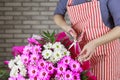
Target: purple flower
x,y
37,49
50,68
68,75
76,76
34,57
75,66
66,60
42,63
44,74
25,58
32,71
61,68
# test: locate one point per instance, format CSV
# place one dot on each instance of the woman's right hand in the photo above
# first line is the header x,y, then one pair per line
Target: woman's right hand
x,y
71,31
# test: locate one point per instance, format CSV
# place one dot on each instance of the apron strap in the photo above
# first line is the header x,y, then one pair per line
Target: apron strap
x,y
70,2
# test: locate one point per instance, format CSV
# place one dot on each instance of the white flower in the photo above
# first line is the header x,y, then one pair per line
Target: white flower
x,y
11,64
57,46
53,59
20,63
48,45
23,71
14,71
57,55
17,58
65,52
46,54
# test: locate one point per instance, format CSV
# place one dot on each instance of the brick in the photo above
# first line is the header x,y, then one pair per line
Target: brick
x,y
48,4
1,4
31,22
22,26
1,22
8,49
30,4
13,40
2,40
47,13
39,8
6,17
22,8
13,31
2,31
40,26
22,35
12,4
21,17
54,0
5,45
30,13
13,13
22,0
31,31
6,36
47,22
52,8
54,27
40,17
13,22
6,26
39,0
2,50
6,8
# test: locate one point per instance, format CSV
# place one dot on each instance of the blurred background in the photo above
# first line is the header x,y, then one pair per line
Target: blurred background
x,y
20,19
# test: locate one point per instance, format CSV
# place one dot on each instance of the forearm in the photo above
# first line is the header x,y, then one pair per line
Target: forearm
x,y
110,36
60,21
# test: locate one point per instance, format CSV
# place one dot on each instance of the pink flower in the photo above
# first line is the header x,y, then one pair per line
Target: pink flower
x,y
32,71
42,63
66,60
27,50
61,68
37,49
76,76
34,57
50,68
34,78
12,78
19,77
59,76
33,41
25,58
44,74
68,75
75,66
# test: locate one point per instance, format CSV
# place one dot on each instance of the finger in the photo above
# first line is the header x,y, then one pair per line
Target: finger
x,y
85,56
88,58
82,52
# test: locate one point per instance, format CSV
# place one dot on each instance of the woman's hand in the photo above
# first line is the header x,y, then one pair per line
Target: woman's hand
x,y
87,51
72,32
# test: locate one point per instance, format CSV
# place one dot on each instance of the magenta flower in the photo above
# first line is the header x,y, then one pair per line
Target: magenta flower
x,y
66,60
25,58
50,68
75,66
44,74
42,64
68,75
32,71
61,68
34,57
37,49
76,76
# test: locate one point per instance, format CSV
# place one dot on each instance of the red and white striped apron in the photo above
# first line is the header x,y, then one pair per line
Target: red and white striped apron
x,y
86,18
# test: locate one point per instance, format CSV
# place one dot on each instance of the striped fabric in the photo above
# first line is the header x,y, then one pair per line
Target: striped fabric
x,y
86,18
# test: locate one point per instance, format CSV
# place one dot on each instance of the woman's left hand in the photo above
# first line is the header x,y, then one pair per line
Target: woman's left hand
x,y
87,51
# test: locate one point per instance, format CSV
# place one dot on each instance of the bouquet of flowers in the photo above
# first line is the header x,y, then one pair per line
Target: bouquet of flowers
x,y
48,57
